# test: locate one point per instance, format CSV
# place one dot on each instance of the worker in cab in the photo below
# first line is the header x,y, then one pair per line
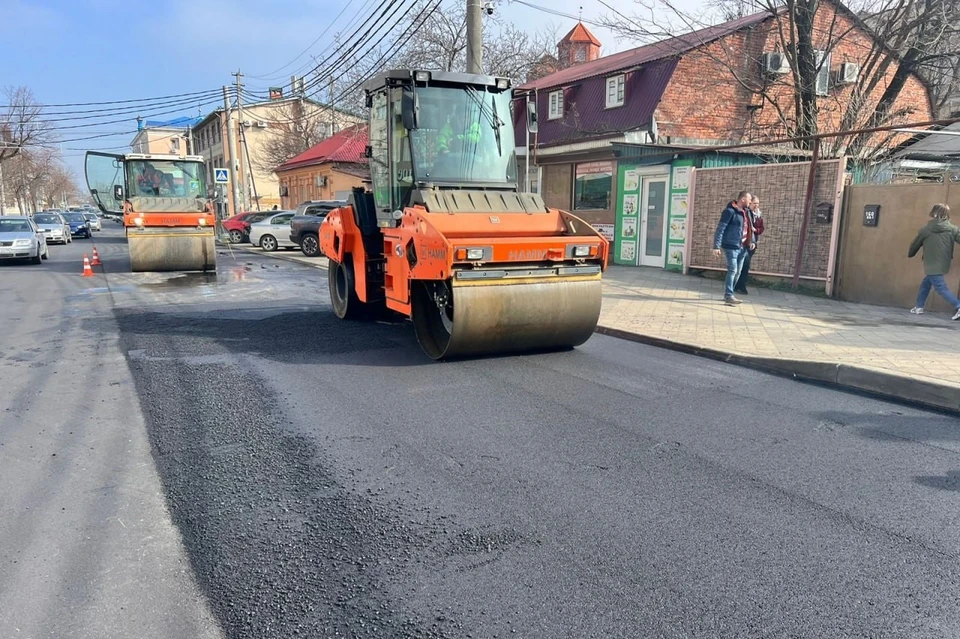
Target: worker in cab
x,y
148,182
448,133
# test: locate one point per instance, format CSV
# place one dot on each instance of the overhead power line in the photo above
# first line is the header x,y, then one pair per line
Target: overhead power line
x,y
273,74
342,52
131,111
74,104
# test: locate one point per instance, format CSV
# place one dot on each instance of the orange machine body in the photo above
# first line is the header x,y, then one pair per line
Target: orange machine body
x,y
432,246
168,218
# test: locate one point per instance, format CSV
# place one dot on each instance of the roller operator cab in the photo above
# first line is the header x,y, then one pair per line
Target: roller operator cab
x,y
168,218
446,238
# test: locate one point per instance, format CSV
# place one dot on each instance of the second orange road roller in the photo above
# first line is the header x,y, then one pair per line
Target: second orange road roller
x,y
446,238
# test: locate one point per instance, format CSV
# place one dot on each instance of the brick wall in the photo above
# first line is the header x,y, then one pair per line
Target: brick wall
x,y
705,100
782,191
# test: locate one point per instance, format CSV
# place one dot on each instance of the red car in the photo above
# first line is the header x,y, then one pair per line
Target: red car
x,y
238,226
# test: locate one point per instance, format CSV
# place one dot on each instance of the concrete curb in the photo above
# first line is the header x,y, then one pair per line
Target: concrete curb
x,y
888,386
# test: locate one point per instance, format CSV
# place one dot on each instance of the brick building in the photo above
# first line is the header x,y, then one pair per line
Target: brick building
x,y
613,133
325,171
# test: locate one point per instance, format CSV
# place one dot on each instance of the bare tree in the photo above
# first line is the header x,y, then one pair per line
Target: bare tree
x,y
60,185
295,127
26,177
806,32
20,123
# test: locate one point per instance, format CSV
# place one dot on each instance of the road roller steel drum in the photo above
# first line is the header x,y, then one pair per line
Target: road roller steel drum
x,y
501,311
171,249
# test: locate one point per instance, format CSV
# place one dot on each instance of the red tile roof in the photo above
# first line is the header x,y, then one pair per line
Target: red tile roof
x,y
346,147
580,33
648,53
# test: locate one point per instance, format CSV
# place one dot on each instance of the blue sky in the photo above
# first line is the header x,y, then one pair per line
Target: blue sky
x,y
70,51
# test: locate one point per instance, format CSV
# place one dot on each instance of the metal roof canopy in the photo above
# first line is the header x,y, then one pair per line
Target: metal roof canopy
x,y
399,77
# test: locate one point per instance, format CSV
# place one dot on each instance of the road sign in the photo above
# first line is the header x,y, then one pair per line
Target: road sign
x,y
221,176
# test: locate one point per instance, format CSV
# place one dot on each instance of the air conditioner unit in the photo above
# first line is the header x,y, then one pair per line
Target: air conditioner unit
x,y
247,123
848,73
261,124
321,180
775,62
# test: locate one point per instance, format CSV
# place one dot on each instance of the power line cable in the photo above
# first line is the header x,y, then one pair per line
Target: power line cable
x,y
360,41
127,110
273,74
164,97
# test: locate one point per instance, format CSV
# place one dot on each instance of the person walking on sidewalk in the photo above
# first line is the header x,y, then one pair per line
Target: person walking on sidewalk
x,y
937,239
734,236
756,220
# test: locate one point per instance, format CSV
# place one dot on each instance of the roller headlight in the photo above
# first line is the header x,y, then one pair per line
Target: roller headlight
x,y
138,221
203,221
581,251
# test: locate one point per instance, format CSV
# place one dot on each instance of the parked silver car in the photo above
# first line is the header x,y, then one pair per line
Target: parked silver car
x,y
21,239
54,227
273,232
93,220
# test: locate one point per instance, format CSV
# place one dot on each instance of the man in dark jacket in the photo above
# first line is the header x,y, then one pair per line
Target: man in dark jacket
x,y
937,239
735,237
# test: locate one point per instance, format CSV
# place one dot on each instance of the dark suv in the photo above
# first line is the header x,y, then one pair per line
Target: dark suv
x,y
305,225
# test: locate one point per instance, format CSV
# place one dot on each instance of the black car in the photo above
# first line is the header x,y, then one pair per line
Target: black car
x,y
305,225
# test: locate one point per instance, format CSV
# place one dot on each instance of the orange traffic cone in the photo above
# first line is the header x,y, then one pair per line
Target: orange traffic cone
x,y
87,271
96,258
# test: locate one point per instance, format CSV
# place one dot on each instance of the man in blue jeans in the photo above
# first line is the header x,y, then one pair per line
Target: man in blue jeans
x,y
735,237
936,239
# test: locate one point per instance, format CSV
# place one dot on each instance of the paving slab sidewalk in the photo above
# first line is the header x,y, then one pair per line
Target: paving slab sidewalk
x,y
877,349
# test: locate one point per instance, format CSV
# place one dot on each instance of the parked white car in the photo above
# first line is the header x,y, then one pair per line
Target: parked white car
x,y
21,239
273,232
54,227
93,220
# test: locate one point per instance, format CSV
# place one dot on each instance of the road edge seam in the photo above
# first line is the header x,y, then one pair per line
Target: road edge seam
x,y
280,256
887,386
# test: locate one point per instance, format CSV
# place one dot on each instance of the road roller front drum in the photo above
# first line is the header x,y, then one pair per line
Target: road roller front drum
x,y
159,249
455,318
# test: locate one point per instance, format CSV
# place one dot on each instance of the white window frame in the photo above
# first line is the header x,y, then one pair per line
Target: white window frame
x,y
823,74
555,105
616,85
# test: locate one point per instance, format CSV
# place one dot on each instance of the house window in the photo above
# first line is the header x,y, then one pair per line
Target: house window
x,y
615,89
581,54
592,186
823,75
556,105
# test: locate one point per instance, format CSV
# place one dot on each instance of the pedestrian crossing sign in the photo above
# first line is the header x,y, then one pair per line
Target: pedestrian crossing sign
x,y
221,176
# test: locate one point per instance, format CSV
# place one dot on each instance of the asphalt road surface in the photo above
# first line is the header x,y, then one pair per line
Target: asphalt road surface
x,y
279,473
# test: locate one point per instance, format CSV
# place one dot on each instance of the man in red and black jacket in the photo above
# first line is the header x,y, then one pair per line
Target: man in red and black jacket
x,y
756,221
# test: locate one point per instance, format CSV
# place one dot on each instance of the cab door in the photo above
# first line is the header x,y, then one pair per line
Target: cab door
x,y
105,179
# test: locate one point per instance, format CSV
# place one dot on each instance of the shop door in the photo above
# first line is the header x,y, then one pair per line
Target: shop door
x,y
653,221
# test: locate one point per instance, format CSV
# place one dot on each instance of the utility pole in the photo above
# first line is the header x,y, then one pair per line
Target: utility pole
x,y
232,151
474,37
333,121
245,193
